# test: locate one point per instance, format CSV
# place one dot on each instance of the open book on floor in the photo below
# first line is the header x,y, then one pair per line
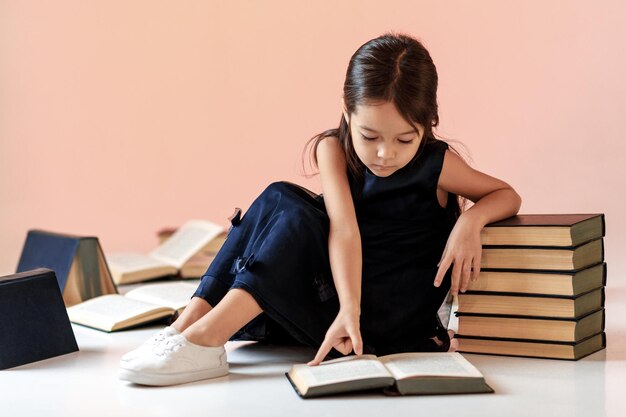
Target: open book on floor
x,y
400,374
141,305
168,258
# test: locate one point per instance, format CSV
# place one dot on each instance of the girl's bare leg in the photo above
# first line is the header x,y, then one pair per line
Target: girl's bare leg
x,y
195,310
454,343
219,323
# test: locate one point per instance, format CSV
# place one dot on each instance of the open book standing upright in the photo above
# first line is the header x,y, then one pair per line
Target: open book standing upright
x,y
78,262
403,373
168,258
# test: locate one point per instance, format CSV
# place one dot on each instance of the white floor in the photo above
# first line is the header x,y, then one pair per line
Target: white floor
x,y
85,384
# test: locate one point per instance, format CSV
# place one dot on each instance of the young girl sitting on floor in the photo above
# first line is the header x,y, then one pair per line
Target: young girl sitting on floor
x,y
365,266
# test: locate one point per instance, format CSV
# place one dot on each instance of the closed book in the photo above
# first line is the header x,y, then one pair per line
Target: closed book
x,y
544,230
525,305
536,328
34,324
543,258
565,283
78,262
533,348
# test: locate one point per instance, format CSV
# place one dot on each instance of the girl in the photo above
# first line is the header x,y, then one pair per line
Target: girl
x,y
362,268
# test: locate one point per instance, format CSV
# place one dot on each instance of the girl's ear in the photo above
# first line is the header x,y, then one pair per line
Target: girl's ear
x,y
345,111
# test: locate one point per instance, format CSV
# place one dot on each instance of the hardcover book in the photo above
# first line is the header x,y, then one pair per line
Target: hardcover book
x,y
524,305
34,324
535,328
565,283
544,230
543,258
533,348
78,262
399,374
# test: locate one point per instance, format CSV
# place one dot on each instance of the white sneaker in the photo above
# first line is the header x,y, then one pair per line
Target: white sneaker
x,y
148,344
173,361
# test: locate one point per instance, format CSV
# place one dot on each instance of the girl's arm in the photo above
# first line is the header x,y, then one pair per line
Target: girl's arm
x,y
344,247
494,200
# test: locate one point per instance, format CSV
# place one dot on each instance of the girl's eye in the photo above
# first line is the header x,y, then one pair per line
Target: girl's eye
x,y
367,137
406,142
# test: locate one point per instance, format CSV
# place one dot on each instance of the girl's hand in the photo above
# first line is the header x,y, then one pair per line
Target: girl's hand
x,y
344,335
464,250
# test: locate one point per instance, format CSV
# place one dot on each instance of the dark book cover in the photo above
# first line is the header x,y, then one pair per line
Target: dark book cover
x,y
49,250
537,220
81,269
518,316
553,271
548,249
34,324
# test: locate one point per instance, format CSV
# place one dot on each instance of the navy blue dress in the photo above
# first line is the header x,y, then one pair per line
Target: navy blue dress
x,y
278,252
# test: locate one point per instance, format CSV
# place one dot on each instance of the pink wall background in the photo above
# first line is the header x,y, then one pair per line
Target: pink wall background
x,y
118,118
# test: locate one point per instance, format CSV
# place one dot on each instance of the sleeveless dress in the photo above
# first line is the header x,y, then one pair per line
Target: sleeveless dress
x,y
278,252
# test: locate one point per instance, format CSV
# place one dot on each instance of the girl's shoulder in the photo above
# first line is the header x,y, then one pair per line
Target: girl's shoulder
x,y
328,144
436,146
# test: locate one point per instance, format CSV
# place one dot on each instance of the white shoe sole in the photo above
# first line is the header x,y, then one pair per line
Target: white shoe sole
x,y
144,378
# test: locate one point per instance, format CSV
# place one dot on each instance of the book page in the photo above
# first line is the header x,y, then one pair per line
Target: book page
x,y
453,322
175,295
131,262
438,364
341,370
186,241
107,310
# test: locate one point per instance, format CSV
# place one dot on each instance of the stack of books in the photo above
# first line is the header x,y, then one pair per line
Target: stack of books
x,y
540,292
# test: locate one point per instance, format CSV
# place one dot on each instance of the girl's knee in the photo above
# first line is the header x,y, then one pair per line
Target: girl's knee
x,y
276,187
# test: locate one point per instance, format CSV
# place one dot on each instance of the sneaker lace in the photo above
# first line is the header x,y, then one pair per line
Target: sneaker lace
x,y
167,346
157,338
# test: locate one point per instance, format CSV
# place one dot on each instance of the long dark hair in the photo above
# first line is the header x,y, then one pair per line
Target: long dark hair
x,y
392,68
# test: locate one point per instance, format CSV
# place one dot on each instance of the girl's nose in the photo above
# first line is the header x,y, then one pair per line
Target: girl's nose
x,y
385,152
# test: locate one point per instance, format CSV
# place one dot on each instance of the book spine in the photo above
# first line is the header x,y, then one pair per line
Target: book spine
x,y
603,225
517,316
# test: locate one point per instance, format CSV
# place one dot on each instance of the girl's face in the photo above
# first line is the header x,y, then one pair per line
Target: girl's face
x,y
382,139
